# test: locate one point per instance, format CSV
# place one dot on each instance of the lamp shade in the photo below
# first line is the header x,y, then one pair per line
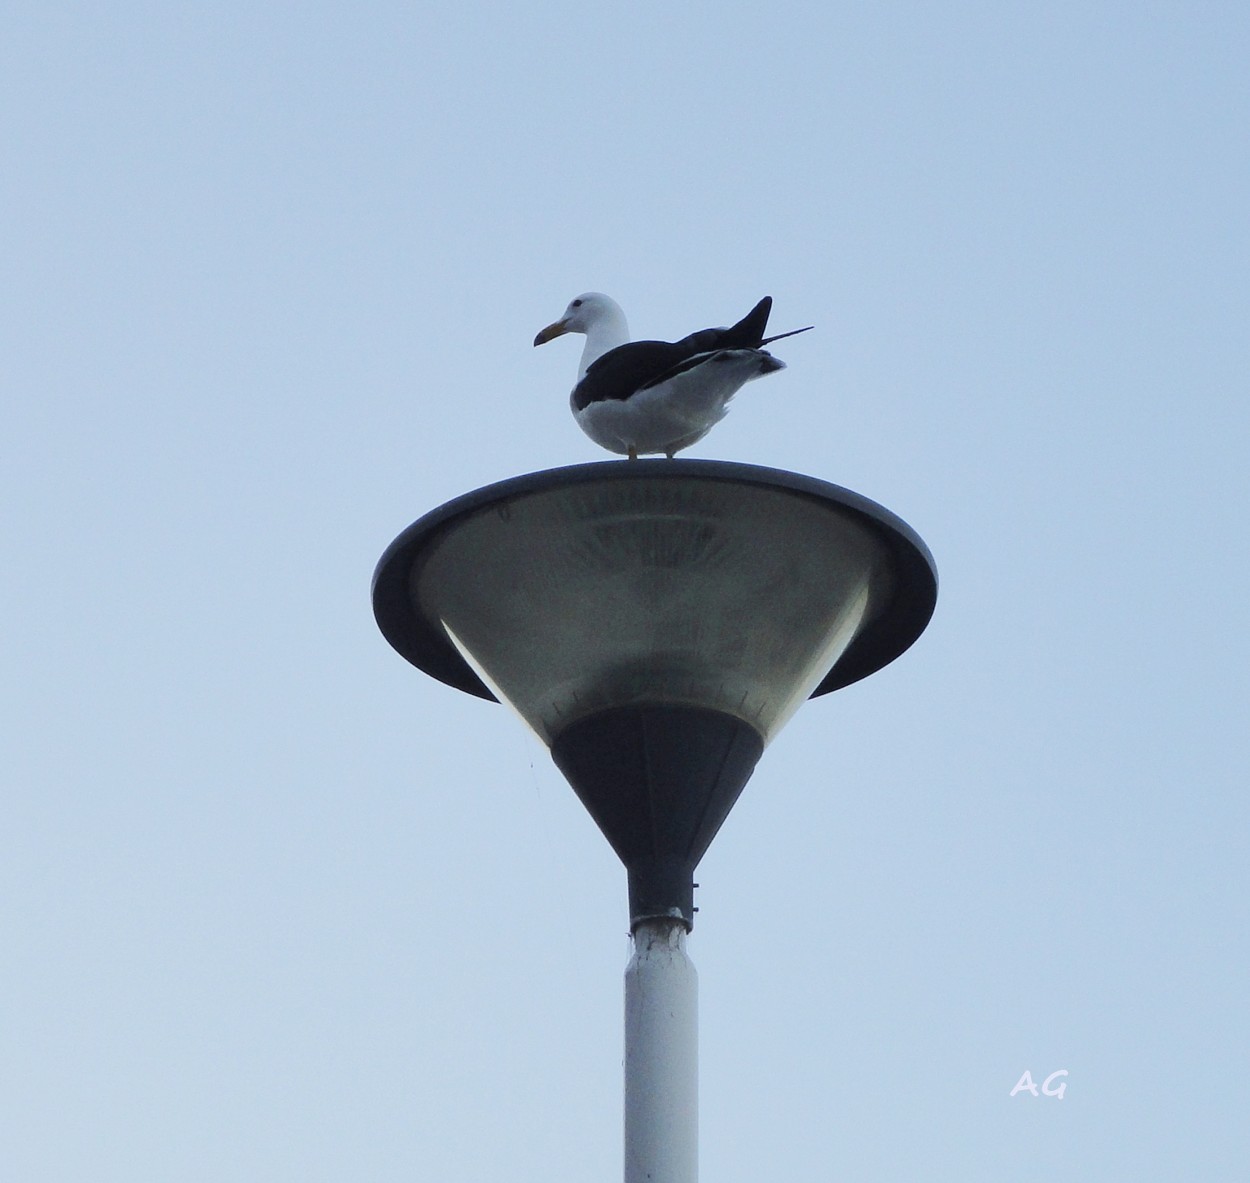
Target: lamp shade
x,y
698,583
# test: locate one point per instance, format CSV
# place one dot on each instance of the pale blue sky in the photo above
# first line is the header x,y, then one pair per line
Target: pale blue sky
x,y
277,907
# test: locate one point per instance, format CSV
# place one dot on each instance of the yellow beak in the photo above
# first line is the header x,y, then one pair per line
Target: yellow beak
x,y
551,332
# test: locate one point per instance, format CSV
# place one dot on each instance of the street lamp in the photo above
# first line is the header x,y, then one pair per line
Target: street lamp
x,y
656,623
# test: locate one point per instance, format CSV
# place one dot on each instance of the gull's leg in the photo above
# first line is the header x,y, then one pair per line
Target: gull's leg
x,y
633,452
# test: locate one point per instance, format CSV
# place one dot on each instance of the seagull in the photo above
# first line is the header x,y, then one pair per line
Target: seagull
x,y
640,398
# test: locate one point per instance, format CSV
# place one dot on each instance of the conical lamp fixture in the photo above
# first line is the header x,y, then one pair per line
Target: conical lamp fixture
x,y
655,623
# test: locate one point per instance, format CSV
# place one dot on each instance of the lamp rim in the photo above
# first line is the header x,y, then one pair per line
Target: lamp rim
x,y
889,634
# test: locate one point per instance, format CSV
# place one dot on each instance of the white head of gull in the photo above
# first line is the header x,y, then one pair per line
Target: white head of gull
x,y
599,317
640,398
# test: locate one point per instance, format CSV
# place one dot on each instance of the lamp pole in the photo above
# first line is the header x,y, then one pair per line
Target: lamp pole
x,y
656,623
661,1056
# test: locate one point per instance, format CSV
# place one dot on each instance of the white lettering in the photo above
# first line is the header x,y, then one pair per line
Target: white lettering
x,y
1025,1082
1048,1091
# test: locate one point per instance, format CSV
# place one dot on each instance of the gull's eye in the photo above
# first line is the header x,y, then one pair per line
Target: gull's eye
x,y
577,303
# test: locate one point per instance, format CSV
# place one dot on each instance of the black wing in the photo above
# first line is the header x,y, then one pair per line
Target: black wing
x,y
627,368
748,333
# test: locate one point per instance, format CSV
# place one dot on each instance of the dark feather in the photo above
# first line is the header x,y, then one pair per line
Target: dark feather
x,y
746,334
627,368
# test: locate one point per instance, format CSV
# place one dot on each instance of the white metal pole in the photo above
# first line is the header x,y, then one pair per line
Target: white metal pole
x,y
661,1057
